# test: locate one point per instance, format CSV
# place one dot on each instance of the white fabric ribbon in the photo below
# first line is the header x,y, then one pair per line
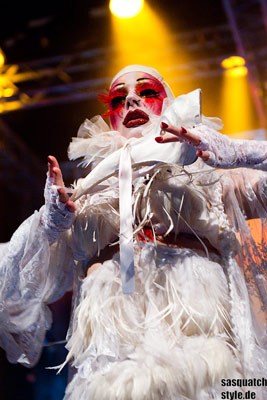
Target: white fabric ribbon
x,y
126,226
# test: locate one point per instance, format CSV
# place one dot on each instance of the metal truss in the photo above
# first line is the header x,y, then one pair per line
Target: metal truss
x,y
64,78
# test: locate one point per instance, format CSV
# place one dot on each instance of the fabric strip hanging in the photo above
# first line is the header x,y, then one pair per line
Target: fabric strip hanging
x,y
126,227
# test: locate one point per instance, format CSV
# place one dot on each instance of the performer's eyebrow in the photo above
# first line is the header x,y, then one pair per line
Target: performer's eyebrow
x,y
142,79
119,84
137,80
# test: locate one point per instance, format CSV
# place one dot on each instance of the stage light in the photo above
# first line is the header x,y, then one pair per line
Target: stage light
x,y
126,8
10,106
238,111
237,106
234,66
8,92
2,58
7,87
147,40
237,71
233,62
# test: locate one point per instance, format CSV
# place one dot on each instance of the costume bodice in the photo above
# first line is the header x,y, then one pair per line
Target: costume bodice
x,y
173,200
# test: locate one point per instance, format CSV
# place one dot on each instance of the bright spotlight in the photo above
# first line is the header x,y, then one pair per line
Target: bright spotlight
x,y
237,71
233,62
126,8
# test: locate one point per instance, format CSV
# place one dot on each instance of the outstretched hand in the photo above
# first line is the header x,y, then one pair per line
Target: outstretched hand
x,y
181,134
55,173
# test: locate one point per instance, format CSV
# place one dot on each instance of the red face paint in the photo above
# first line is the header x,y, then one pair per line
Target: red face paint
x,y
152,91
133,98
114,100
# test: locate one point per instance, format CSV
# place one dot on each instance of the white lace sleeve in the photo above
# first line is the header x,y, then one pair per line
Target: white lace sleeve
x,y
33,273
225,152
55,218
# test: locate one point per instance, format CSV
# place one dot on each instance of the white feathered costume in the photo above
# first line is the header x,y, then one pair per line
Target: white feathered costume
x,y
189,324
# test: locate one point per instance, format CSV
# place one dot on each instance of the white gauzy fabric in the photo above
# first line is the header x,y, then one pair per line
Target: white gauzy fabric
x,y
126,222
94,141
33,272
56,218
228,153
184,111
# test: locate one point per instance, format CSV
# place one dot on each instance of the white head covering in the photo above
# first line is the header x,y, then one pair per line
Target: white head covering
x,y
148,70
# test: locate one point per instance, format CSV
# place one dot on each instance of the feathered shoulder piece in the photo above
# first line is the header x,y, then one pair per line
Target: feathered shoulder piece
x,y
94,141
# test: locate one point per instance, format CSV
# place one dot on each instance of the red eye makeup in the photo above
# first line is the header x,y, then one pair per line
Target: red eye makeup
x,y
115,100
150,90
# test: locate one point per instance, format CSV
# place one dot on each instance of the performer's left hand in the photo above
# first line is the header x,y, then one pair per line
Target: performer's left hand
x,y
181,134
216,149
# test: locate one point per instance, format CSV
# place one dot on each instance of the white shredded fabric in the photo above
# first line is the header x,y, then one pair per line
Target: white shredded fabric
x,y
161,342
186,308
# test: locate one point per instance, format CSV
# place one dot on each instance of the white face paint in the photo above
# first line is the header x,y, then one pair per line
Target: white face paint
x,y
135,99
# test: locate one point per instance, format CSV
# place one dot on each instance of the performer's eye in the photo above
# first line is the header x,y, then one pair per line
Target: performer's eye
x,y
149,93
117,101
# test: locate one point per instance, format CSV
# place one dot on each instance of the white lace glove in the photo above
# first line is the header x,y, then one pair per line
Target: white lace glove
x,y
56,218
225,152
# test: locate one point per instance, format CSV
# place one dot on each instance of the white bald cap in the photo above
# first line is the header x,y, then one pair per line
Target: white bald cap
x,y
148,70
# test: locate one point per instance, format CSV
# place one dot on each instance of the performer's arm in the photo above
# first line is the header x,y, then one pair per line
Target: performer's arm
x,y
59,211
220,151
36,269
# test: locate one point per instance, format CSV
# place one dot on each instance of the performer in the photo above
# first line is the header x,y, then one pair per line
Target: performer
x,y
170,312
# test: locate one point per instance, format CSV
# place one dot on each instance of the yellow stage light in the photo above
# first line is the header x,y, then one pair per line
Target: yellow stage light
x,y
126,8
237,71
10,106
2,58
7,88
8,92
147,40
233,62
238,111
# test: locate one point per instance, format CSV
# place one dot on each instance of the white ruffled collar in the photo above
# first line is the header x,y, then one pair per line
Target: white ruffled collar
x,y
95,140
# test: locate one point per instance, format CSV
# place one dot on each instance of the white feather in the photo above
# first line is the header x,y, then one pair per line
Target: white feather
x,y
167,341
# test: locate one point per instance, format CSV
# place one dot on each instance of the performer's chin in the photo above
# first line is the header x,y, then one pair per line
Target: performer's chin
x,y
135,130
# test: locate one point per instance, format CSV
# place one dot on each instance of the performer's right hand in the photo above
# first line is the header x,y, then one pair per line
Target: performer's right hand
x,y
56,175
58,213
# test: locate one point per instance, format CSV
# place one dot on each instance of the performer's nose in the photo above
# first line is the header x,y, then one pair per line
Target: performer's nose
x,y
132,100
